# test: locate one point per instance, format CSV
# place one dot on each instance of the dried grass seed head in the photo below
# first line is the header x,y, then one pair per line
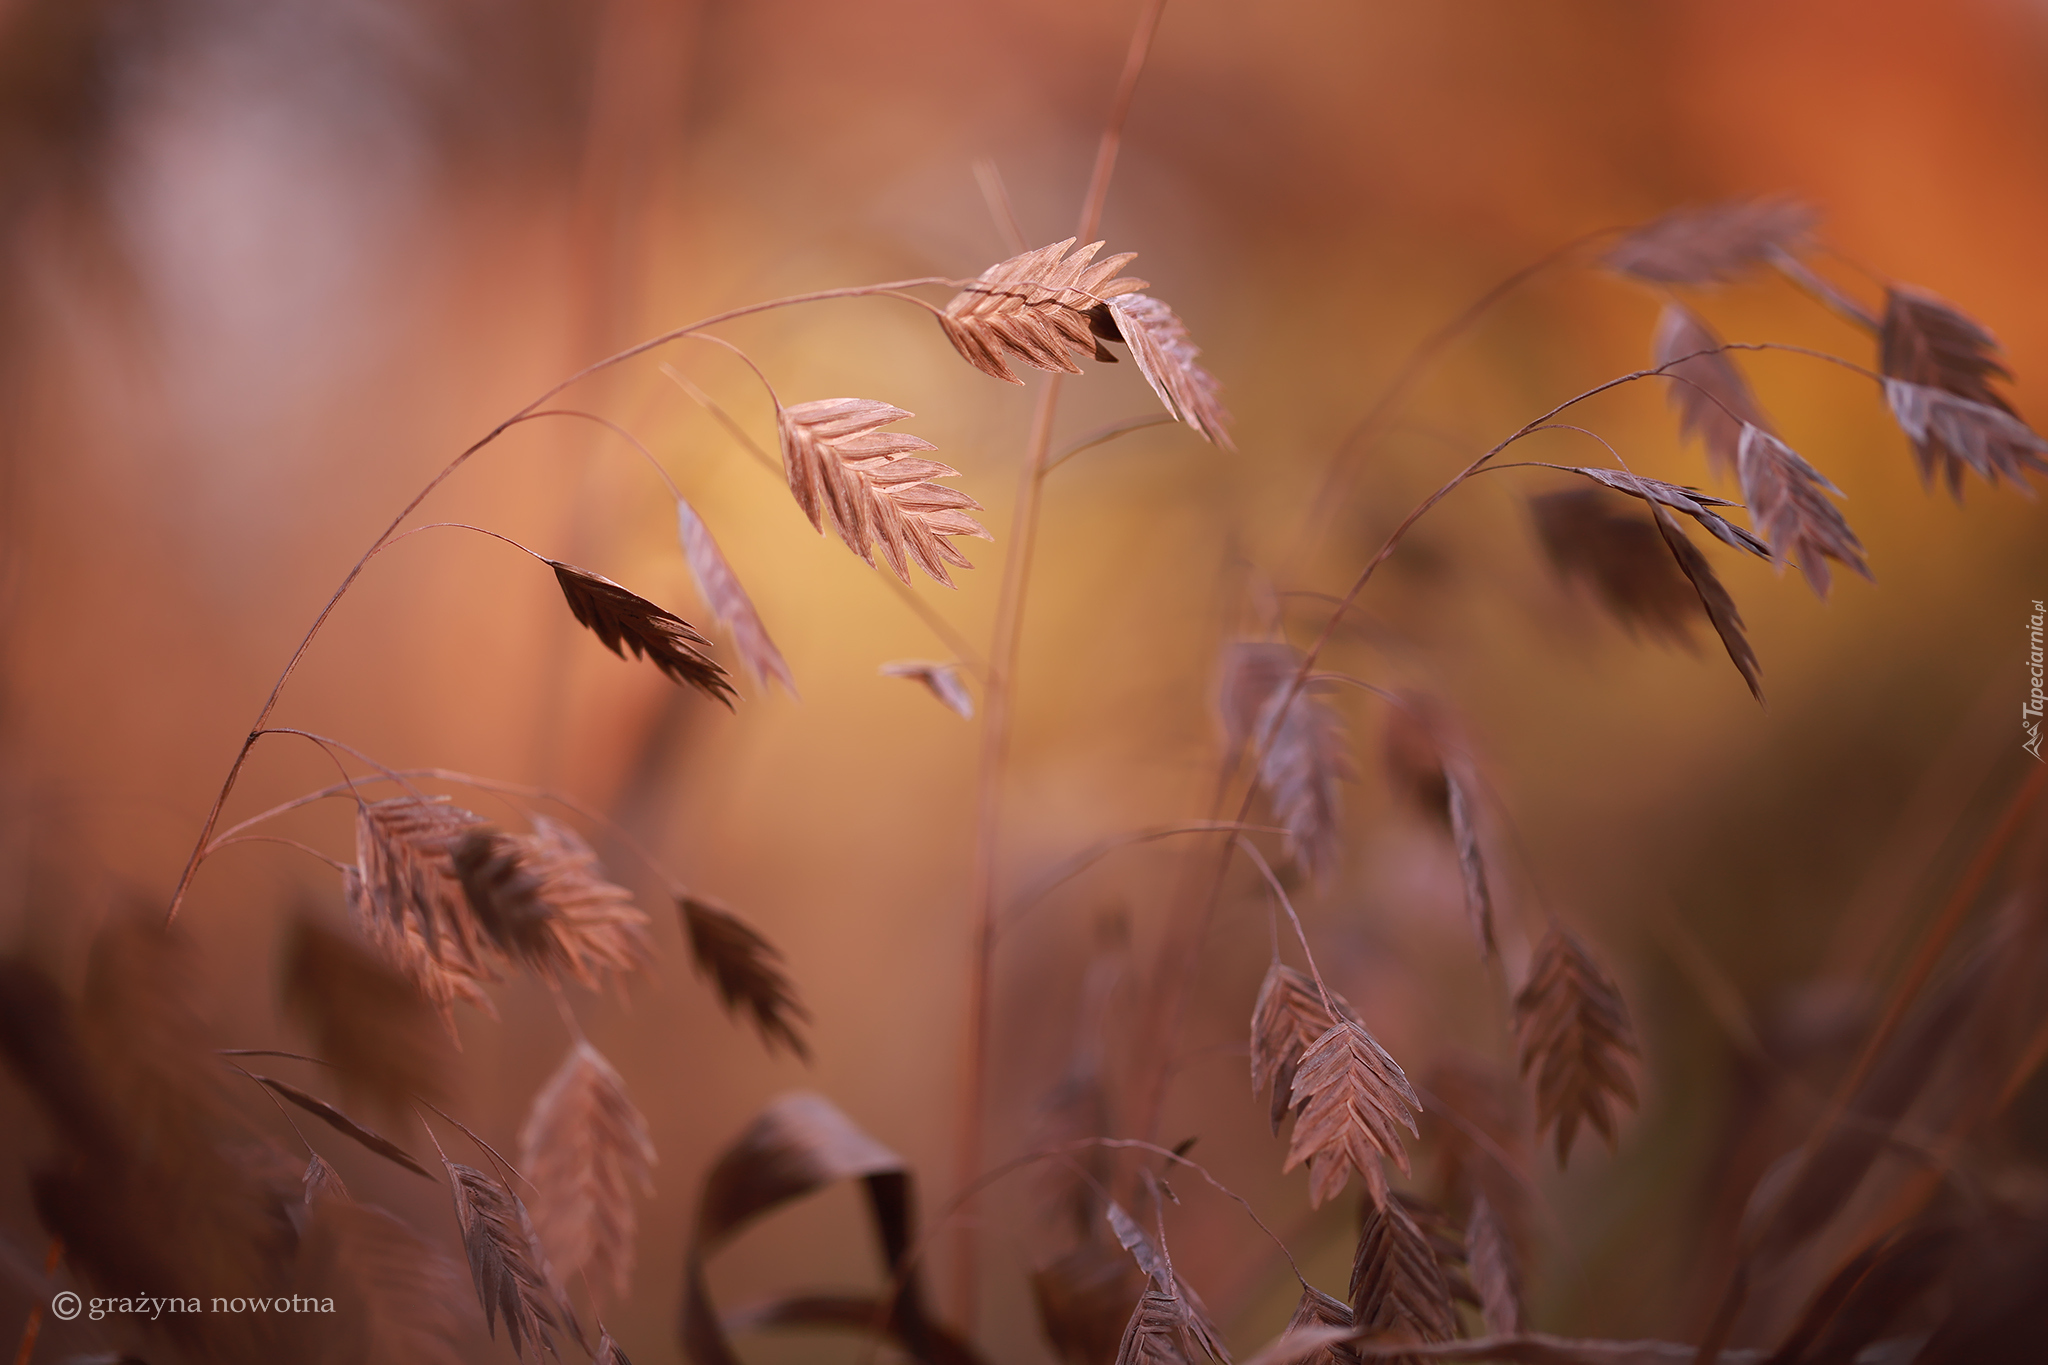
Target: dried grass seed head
x,y
1713,400
1713,243
1037,307
1788,506
626,622
1940,366
942,680
1351,1100
545,902
720,588
872,486
1167,358
1574,1034
746,968
586,1149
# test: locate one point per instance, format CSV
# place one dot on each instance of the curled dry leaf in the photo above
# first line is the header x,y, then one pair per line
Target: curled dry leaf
x,y
1939,368
1714,243
1574,1034
363,1016
745,968
1590,538
1496,1274
1713,400
1351,1100
1286,1020
800,1143
1037,307
1398,1287
586,1150
1785,499
1719,606
720,588
628,624
543,900
1159,343
942,680
505,1262
872,486
1306,756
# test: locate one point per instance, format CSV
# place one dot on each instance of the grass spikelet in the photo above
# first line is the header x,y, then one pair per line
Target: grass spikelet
x,y
720,588
745,967
1317,1309
544,901
1712,398
1714,599
1712,244
1159,343
1574,1034
942,680
872,485
1786,506
1398,1287
629,625
1351,1099
504,1262
1286,1020
1038,307
1496,1275
1939,367
586,1150
405,859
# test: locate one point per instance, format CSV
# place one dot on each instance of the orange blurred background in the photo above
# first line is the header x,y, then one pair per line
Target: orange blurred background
x,y
272,265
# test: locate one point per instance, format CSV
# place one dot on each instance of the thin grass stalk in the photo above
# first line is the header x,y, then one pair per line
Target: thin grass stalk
x,y
1932,944
892,289
998,694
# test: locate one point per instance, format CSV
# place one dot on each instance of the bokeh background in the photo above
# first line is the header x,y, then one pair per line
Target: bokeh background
x,y
270,264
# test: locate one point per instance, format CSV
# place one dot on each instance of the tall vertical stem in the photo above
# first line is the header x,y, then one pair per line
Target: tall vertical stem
x,y
998,697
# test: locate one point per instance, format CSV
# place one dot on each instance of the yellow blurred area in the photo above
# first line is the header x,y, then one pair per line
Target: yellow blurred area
x,y
272,266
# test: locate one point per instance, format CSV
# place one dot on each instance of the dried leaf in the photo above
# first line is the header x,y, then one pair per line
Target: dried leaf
x,y
1351,1101
505,1261
940,679
1939,368
1720,607
1286,1020
364,1017
1714,243
1159,343
743,966
1496,1275
1622,557
720,588
393,1294
543,900
1574,1033
342,1123
799,1144
629,625
1037,307
1713,400
586,1150
1398,1287
1471,866
872,486
1786,506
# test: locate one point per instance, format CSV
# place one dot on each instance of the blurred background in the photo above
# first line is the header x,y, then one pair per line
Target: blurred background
x,y
270,265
